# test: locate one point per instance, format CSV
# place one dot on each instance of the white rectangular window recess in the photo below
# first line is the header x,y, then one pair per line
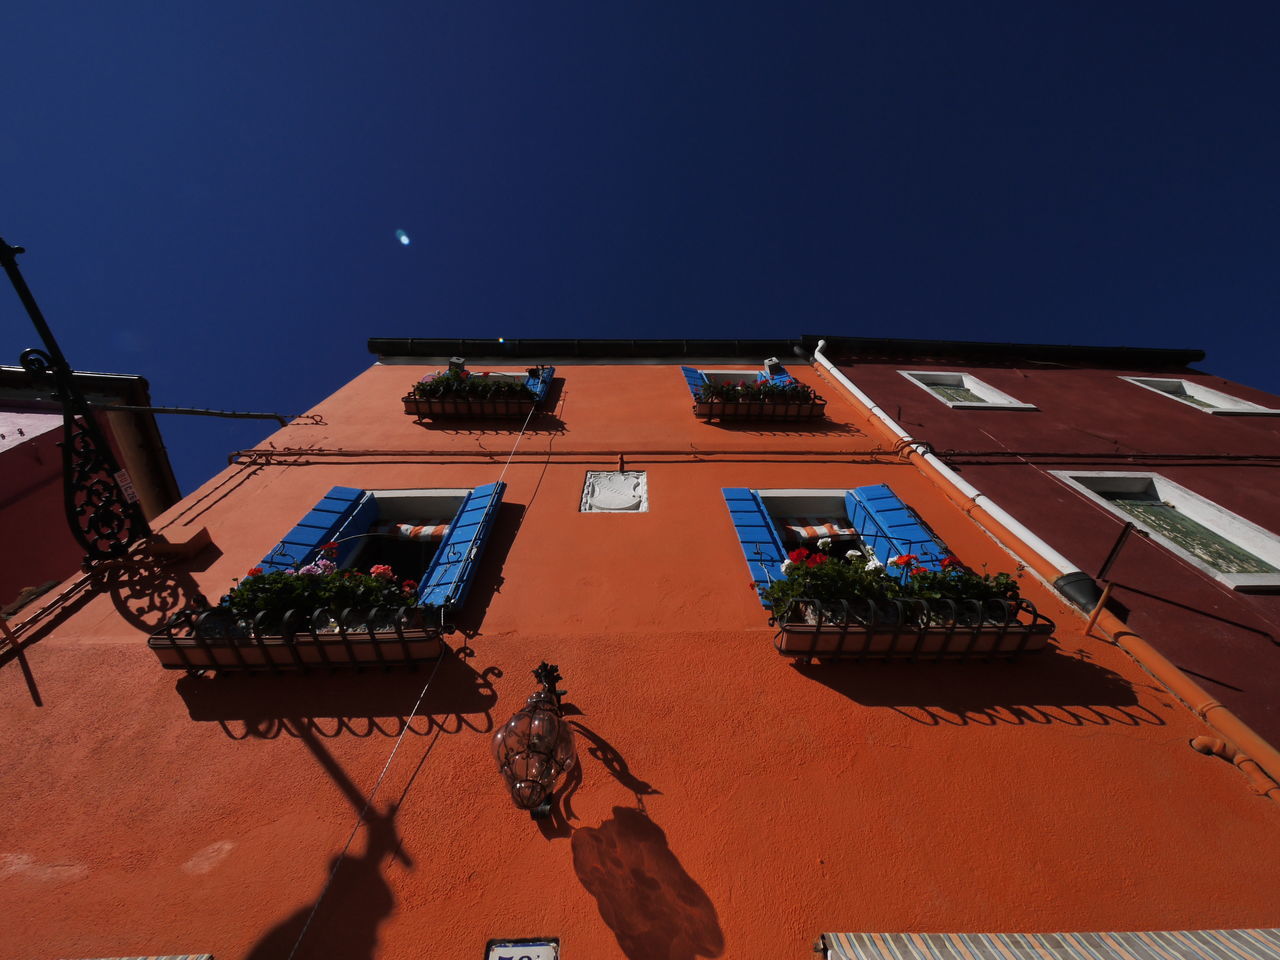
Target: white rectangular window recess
x,y
1203,398
1227,547
730,376
963,391
615,491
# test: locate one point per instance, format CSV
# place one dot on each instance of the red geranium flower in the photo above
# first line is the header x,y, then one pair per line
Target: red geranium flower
x,y
905,560
916,571
950,562
409,586
381,570
328,547
798,554
254,571
816,559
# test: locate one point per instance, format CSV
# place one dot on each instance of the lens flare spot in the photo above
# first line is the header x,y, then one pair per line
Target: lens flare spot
x,y
402,237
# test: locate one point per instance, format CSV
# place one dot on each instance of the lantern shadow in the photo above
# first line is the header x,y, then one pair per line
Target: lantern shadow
x,y
647,898
613,761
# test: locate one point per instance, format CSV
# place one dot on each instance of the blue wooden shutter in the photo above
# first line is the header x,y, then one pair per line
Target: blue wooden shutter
x,y
447,580
541,383
757,535
780,379
890,528
361,519
301,544
694,379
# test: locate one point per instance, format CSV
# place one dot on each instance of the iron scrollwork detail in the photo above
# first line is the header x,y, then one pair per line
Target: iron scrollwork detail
x,y
101,505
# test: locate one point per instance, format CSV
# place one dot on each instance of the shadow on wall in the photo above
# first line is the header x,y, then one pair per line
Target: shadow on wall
x,y
1041,689
342,922
488,578
362,899
345,703
147,591
651,904
789,428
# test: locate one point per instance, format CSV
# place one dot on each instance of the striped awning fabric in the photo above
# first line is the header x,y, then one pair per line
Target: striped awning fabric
x,y
1147,945
171,956
799,529
409,531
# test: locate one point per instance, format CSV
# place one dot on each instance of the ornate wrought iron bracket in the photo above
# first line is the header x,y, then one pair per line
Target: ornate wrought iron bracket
x,y
98,496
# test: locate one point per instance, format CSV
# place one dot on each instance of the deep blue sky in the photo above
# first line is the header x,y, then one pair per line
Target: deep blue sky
x,y
209,192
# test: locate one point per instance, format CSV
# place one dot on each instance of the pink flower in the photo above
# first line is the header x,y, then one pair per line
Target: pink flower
x,y
382,570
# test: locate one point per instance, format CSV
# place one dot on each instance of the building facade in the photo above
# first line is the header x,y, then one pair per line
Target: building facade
x,y
1077,442
729,800
31,471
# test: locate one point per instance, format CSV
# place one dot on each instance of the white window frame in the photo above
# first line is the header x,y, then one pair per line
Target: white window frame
x,y
992,399
730,376
1245,534
1222,404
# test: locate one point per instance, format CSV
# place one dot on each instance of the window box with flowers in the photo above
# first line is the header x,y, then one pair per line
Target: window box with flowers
x,y
769,394
888,590
310,603
314,616
458,392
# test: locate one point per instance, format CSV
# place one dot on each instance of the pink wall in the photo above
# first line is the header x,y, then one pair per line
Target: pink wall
x,y
37,546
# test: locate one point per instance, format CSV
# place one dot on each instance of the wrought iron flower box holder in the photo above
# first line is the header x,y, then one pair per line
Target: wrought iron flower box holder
x,y
760,409
489,408
199,640
911,630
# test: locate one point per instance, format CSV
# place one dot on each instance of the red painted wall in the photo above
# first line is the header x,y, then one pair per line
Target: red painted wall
x,y
1093,420
730,804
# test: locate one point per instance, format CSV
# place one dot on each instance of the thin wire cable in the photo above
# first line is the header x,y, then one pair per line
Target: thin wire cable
x,y
395,749
364,810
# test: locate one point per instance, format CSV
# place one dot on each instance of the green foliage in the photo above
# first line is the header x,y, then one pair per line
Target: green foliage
x,y
461,384
815,575
743,390
317,586
829,580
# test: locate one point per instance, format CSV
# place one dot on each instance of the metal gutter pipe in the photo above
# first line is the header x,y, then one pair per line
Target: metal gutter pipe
x,y
975,498
1068,579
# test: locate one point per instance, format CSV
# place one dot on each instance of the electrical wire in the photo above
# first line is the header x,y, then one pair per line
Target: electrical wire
x,y
360,819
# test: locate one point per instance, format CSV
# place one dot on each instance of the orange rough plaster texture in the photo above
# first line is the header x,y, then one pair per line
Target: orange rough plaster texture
x,y
729,804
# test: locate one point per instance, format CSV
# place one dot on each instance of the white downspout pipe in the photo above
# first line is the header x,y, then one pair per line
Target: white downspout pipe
x,y
972,494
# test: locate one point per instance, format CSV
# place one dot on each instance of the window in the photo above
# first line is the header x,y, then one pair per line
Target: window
x,y
963,391
1205,398
1227,547
771,523
432,536
773,372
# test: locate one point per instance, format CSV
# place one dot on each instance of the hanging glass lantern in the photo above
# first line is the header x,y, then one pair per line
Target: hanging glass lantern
x,y
535,747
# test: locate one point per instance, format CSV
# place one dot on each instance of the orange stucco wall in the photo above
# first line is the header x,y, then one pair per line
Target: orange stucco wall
x,y
729,805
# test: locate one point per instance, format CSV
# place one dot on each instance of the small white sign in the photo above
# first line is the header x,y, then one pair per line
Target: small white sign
x,y
126,486
523,950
